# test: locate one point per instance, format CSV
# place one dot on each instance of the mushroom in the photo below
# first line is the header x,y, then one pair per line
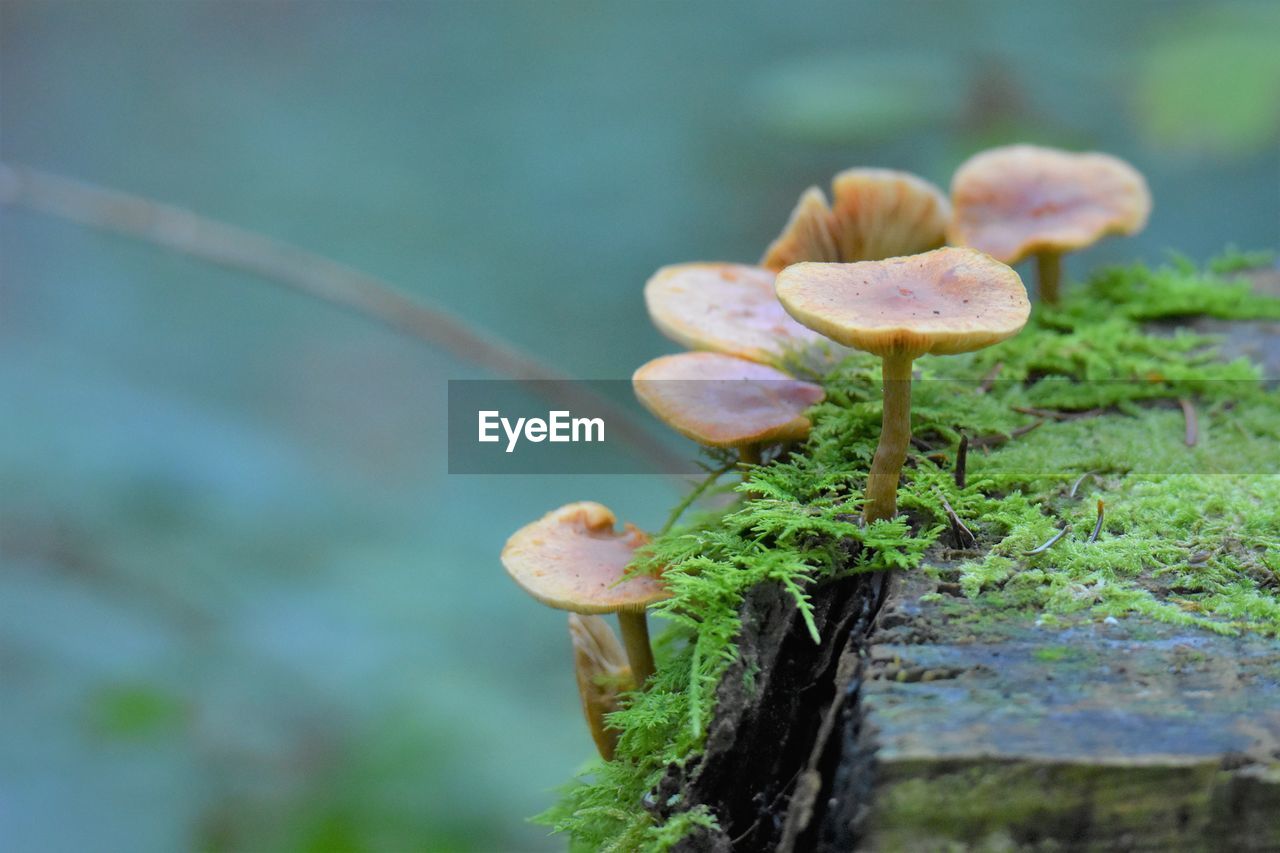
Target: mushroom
x,y
573,559
601,669
1022,200
807,236
876,213
942,302
729,308
721,401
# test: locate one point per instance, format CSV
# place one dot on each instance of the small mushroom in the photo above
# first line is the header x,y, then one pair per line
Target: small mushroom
x,y
601,669
721,401
729,308
943,302
1022,200
876,214
573,559
807,237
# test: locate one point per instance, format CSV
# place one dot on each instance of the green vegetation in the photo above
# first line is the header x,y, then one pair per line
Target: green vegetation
x,y
1052,654
995,807
1189,534
132,711
1209,82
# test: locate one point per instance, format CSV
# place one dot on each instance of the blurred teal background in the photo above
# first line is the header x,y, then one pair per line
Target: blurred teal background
x,y
242,605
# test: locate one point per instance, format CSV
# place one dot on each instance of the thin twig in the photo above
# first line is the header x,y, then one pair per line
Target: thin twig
x,y
962,460
993,440
693,496
959,530
311,274
1192,433
1097,528
1076,485
782,792
922,445
1040,549
1054,414
809,784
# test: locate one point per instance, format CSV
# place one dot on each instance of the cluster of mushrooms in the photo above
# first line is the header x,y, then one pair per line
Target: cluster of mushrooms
x,y
866,270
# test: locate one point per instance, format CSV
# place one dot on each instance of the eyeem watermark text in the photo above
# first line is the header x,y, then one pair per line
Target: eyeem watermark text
x,y
558,426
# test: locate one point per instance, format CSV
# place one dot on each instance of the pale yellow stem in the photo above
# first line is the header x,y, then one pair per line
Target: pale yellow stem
x,y
635,638
895,436
1049,274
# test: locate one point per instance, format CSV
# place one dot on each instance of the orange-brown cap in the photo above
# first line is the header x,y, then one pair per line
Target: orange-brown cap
x,y
573,559
727,308
882,213
876,213
721,401
807,236
1017,200
603,674
944,301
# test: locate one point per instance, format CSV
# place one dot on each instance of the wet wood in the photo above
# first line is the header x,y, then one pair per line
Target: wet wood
x,y
994,732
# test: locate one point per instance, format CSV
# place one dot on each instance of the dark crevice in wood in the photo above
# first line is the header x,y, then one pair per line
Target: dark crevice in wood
x,y
781,712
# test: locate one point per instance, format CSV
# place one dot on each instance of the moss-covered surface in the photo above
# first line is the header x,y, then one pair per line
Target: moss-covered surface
x,y
1189,537
995,731
986,805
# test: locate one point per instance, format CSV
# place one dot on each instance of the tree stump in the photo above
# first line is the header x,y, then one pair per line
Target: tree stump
x,y
942,724
928,726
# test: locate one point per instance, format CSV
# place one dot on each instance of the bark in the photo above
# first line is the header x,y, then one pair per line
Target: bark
x,y
768,731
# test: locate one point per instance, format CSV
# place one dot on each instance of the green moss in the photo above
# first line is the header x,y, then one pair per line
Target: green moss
x,y
1002,807
1235,261
1052,654
1189,533
1175,289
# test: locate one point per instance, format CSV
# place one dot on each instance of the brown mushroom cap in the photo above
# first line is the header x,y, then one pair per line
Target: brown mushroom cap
x,y
721,401
807,235
1017,200
728,308
944,301
876,213
573,559
882,213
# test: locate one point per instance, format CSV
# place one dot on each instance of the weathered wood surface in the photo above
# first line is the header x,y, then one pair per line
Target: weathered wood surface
x,y
998,733
993,732
939,727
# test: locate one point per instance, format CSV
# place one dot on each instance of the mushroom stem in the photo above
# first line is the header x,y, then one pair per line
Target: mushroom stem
x,y
1049,274
895,436
635,638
